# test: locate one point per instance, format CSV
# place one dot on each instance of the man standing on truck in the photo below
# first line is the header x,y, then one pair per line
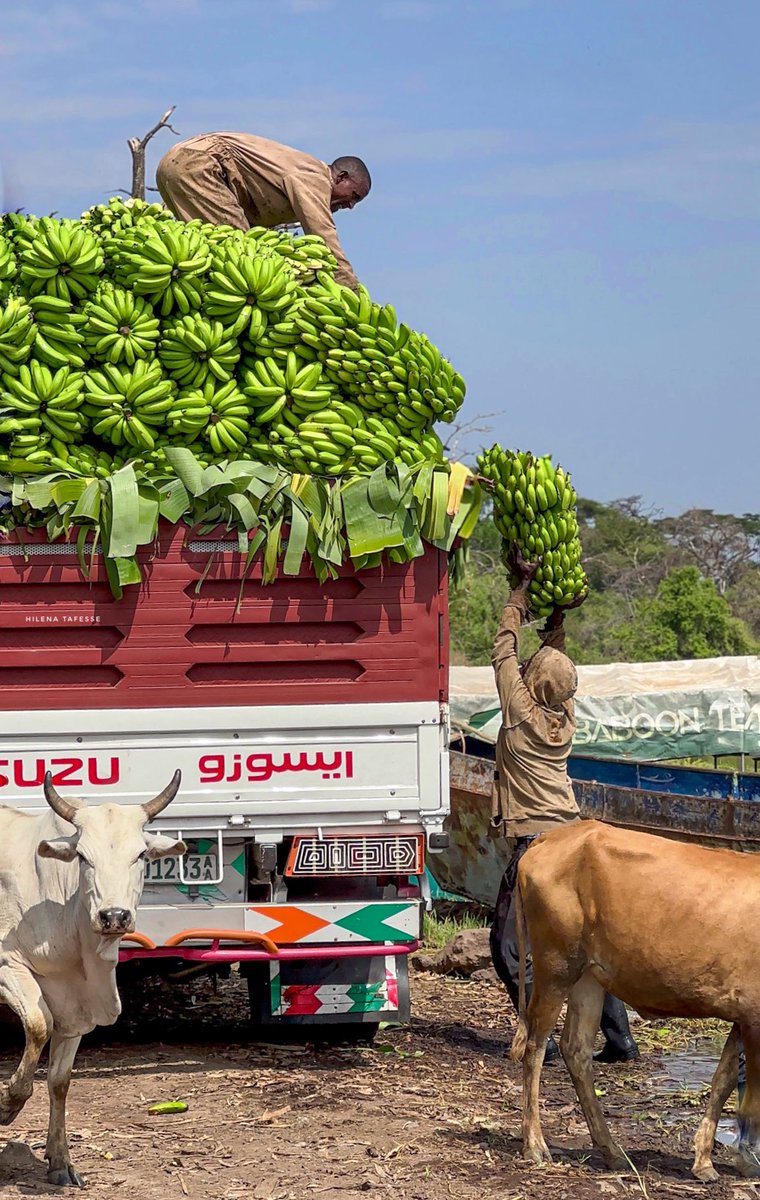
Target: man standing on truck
x,y
532,790
241,180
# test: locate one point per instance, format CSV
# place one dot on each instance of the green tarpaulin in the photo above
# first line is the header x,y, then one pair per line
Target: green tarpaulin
x,y
645,711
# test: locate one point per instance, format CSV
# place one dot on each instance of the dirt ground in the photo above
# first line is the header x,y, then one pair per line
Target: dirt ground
x,y
430,1111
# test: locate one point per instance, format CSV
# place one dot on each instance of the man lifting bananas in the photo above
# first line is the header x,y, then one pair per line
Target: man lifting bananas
x,y
241,180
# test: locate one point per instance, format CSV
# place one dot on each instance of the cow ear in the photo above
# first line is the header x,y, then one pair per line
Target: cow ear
x,y
161,846
64,849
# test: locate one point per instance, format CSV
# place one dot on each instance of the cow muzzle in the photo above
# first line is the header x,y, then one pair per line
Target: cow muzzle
x,y
115,921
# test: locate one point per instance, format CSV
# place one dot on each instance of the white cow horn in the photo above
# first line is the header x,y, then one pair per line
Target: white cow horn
x,y
64,808
159,802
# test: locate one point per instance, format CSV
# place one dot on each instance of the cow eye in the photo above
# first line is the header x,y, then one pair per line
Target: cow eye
x,y
140,857
83,859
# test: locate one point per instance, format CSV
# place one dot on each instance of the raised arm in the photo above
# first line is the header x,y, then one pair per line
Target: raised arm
x,y
553,632
311,205
514,697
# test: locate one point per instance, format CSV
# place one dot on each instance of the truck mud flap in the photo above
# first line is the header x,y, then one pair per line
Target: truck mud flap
x,y
338,991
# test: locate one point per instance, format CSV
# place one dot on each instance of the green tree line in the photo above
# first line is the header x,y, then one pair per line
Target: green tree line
x,y
661,587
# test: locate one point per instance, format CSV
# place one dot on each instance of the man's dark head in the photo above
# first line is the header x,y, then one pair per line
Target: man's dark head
x,y
351,182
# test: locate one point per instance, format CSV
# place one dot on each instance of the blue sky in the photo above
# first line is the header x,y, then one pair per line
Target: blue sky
x,y
566,192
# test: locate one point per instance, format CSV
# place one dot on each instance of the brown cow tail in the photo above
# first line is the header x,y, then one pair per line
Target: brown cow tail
x,y
520,1039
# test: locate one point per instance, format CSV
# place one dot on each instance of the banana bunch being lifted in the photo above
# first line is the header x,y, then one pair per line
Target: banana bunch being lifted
x,y
534,511
129,332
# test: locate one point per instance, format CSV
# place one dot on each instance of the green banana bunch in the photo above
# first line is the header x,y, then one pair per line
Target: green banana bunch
x,y
59,337
40,401
59,258
113,218
306,255
247,291
221,414
14,225
91,462
165,262
125,404
7,267
288,393
156,463
428,448
34,453
217,236
17,332
534,511
194,349
120,327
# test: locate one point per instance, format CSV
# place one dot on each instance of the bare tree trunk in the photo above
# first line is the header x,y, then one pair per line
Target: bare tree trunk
x,y
137,148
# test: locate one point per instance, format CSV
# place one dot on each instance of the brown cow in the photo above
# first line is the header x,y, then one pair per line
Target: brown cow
x,y
668,927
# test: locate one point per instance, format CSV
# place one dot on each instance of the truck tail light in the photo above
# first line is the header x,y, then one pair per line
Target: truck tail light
x,y
355,854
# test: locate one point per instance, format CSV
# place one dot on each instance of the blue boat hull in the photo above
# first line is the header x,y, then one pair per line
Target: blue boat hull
x,y
712,808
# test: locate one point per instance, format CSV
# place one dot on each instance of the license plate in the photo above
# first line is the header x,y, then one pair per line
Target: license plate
x,y
197,868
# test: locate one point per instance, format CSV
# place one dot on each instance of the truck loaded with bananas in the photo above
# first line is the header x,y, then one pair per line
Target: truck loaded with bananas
x,y
209,406
134,342
534,511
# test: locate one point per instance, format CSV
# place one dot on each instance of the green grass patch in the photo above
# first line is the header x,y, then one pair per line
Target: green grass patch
x,y
439,927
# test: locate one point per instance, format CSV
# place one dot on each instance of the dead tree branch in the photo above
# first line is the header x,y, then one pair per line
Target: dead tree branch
x,y
137,149
460,431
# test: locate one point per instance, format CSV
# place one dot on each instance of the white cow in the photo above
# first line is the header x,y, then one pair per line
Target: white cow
x,y
65,901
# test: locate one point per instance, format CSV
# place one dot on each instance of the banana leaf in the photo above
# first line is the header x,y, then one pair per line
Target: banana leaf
x,y
186,467
383,491
272,551
66,490
87,507
174,501
245,510
389,511
124,525
297,539
367,530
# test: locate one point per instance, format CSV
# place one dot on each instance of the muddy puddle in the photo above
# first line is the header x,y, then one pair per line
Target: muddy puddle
x,y
685,1075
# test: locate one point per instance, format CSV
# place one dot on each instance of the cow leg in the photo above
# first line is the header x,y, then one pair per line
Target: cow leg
x,y
723,1083
584,1008
62,1054
543,1010
20,991
748,1161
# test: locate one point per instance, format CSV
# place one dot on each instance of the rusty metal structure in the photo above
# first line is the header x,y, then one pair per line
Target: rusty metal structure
x,y
713,808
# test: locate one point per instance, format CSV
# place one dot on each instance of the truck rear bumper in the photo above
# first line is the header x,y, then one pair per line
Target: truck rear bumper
x,y
217,954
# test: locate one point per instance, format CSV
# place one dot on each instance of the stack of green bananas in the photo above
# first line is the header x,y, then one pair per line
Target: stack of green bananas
x,y
165,262
385,366
59,332
112,219
7,266
119,326
38,403
238,343
194,349
534,511
17,333
219,413
84,460
247,291
59,258
124,403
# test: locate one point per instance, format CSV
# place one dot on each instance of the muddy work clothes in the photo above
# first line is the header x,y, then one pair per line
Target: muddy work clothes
x,y
241,180
532,789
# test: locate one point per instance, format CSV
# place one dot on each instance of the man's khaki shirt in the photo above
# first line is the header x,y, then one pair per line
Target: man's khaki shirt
x,y
532,789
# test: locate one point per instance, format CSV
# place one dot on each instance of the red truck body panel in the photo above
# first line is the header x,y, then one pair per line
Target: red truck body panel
x,y
66,643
